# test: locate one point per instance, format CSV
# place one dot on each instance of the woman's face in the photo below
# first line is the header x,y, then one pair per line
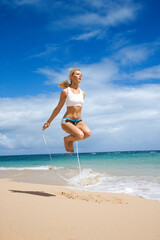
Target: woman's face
x,y
77,76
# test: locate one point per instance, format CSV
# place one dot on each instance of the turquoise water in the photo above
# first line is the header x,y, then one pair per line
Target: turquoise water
x,y
135,173
120,163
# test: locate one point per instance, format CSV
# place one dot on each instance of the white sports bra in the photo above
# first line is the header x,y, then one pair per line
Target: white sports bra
x,y
74,99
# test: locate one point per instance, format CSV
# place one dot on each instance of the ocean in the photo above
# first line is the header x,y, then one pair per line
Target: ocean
x,y
134,173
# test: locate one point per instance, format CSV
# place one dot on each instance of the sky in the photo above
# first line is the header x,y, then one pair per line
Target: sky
x,y
115,44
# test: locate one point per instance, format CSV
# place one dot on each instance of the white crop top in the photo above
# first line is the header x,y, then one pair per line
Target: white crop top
x,y
74,99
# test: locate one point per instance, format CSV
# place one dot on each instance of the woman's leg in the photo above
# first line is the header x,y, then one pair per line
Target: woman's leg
x,y
79,132
85,129
76,134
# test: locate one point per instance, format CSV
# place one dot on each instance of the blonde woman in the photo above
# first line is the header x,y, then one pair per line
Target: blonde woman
x,y
72,122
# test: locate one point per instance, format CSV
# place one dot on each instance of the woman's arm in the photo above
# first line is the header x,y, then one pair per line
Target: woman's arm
x,y
57,109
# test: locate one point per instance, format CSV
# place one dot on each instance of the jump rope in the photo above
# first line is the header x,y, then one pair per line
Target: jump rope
x,y
79,165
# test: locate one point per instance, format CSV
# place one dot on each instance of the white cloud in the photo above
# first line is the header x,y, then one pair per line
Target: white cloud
x,y
119,16
7,142
121,118
101,14
147,74
21,123
136,53
53,76
49,48
86,36
112,18
132,54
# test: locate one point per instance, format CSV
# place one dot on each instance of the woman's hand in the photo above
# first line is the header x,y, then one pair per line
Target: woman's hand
x,y
46,125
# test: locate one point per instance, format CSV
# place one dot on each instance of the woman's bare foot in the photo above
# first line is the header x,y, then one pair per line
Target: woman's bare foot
x,y
71,147
66,144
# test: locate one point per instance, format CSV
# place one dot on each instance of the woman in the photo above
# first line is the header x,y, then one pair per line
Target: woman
x,y
71,122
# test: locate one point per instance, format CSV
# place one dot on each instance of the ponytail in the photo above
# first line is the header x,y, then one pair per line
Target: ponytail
x,y
64,84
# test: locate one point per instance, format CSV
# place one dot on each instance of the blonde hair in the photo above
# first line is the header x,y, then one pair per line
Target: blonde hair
x,y
65,84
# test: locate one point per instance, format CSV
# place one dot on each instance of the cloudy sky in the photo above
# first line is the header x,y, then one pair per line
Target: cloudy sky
x,y
116,44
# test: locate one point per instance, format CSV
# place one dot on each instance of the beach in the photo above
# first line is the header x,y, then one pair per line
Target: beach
x,y
135,173
37,211
115,196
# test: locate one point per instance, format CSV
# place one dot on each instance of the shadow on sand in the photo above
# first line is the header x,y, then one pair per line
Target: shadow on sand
x,y
38,193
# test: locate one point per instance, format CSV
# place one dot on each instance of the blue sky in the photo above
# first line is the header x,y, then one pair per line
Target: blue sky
x,y
116,44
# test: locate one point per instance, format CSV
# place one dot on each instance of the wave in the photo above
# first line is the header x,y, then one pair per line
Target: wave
x,y
142,186
31,168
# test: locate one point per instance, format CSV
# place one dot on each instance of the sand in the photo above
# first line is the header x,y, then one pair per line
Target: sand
x,y
45,212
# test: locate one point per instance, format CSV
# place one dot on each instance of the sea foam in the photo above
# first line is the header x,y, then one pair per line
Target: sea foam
x,y
142,186
87,177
